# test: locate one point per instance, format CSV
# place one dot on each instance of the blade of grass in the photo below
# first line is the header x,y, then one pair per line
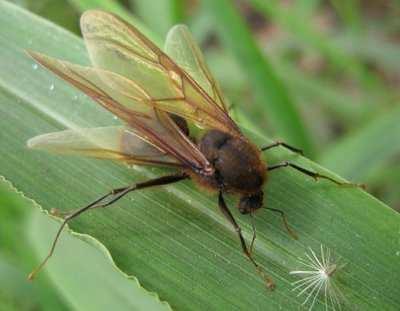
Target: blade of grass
x,y
81,269
116,8
349,109
174,239
372,47
306,8
365,47
304,31
16,257
361,153
306,89
350,13
168,12
84,273
275,105
60,12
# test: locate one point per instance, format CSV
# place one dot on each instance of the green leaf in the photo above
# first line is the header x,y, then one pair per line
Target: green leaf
x,y
81,269
17,257
84,273
116,8
173,239
168,12
308,90
349,12
269,90
60,12
372,47
305,31
363,152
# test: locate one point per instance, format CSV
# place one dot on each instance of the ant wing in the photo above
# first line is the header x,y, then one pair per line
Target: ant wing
x,y
119,47
132,104
117,143
183,49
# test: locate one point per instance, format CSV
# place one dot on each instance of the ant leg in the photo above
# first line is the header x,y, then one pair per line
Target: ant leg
x,y
285,222
253,239
283,144
225,211
105,201
56,212
314,175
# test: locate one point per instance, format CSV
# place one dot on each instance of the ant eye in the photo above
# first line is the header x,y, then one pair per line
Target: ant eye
x,y
250,203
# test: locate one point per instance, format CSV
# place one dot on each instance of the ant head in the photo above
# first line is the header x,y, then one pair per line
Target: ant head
x,y
250,203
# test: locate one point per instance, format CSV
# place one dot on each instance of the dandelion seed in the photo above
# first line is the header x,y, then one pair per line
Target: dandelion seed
x,y
318,279
51,87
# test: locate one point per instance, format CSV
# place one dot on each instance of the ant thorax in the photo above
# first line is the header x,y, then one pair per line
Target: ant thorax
x,y
237,163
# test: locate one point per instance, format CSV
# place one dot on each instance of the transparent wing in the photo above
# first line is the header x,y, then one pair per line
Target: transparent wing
x,y
119,47
115,142
127,100
183,49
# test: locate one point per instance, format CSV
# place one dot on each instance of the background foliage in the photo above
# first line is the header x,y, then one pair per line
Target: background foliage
x,y
323,75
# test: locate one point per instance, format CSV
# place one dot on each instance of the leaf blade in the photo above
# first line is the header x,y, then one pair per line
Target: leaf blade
x,y
367,149
268,89
173,239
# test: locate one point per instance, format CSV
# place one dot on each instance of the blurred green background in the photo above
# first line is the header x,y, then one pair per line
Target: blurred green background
x,y
323,75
